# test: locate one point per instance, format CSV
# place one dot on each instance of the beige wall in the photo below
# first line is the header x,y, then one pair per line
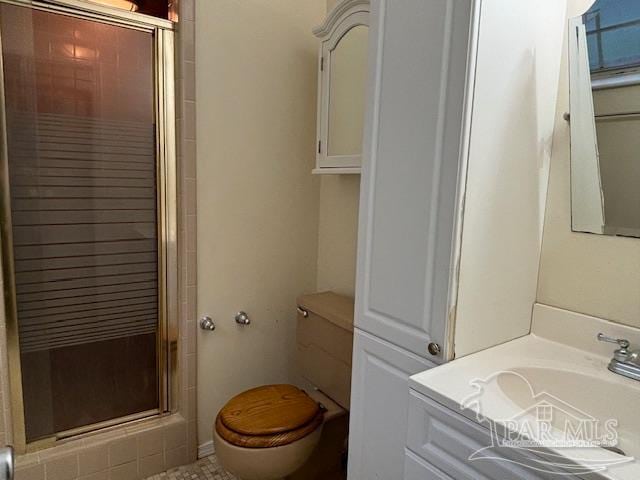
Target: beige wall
x,y
257,200
338,229
586,273
338,233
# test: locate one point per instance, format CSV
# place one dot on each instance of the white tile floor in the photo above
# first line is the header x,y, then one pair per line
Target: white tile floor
x,y
206,468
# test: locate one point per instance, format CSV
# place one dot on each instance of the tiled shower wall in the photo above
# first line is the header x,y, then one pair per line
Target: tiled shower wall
x,y
186,123
145,448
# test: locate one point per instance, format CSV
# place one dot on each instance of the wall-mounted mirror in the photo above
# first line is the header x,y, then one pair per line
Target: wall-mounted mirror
x,y
342,87
605,118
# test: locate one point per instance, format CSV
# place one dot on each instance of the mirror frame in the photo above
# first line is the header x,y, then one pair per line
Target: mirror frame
x,y
582,220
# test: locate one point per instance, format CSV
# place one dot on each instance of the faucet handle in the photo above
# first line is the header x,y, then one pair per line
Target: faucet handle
x,y
623,343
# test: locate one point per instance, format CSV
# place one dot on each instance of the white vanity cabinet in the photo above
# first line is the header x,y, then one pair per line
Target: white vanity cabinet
x,y
417,469
441,440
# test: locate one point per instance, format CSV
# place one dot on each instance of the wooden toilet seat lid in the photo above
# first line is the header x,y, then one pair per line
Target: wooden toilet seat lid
x,y
268,416
268,410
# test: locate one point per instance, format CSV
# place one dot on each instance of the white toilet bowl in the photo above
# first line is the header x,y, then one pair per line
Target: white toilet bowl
x,y
273,463
268,432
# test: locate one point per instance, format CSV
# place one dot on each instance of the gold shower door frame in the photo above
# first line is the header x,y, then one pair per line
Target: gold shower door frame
x,y
165,115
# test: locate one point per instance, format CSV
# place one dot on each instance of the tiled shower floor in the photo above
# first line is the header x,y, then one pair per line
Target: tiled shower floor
x,y
204,469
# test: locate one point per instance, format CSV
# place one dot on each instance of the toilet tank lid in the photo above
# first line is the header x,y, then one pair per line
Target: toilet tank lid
x,y
338,309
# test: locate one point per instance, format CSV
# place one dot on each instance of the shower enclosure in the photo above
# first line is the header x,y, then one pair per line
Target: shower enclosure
x,y
87,173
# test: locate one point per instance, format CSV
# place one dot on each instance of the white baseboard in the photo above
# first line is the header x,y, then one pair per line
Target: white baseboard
x,y
206,449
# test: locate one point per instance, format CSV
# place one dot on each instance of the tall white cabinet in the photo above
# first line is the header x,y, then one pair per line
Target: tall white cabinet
x,y
425,60
419,59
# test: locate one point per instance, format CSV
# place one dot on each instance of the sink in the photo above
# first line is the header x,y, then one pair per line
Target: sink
x,y
555,380
578,399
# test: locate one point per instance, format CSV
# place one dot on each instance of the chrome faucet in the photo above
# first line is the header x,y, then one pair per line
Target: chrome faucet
x,y
624,361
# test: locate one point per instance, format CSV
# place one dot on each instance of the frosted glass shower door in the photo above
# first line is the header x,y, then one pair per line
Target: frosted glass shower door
x,y
82,217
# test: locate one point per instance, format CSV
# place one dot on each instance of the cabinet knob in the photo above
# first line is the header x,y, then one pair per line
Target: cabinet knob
x,y
434,348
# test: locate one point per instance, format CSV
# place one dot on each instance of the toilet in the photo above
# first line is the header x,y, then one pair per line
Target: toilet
x,y
273,432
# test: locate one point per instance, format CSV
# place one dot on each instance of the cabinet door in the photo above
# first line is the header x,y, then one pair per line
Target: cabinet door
x,y
413,127
379,403
343,75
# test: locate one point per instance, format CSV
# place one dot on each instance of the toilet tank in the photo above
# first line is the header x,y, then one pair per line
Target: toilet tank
x,y
325,343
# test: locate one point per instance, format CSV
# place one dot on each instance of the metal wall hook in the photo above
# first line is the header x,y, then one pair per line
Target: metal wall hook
x,y
242,318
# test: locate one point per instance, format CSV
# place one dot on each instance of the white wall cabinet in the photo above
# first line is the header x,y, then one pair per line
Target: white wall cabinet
x,y
342,78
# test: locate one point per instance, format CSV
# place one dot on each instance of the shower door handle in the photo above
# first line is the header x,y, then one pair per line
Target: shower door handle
x,y
6,463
